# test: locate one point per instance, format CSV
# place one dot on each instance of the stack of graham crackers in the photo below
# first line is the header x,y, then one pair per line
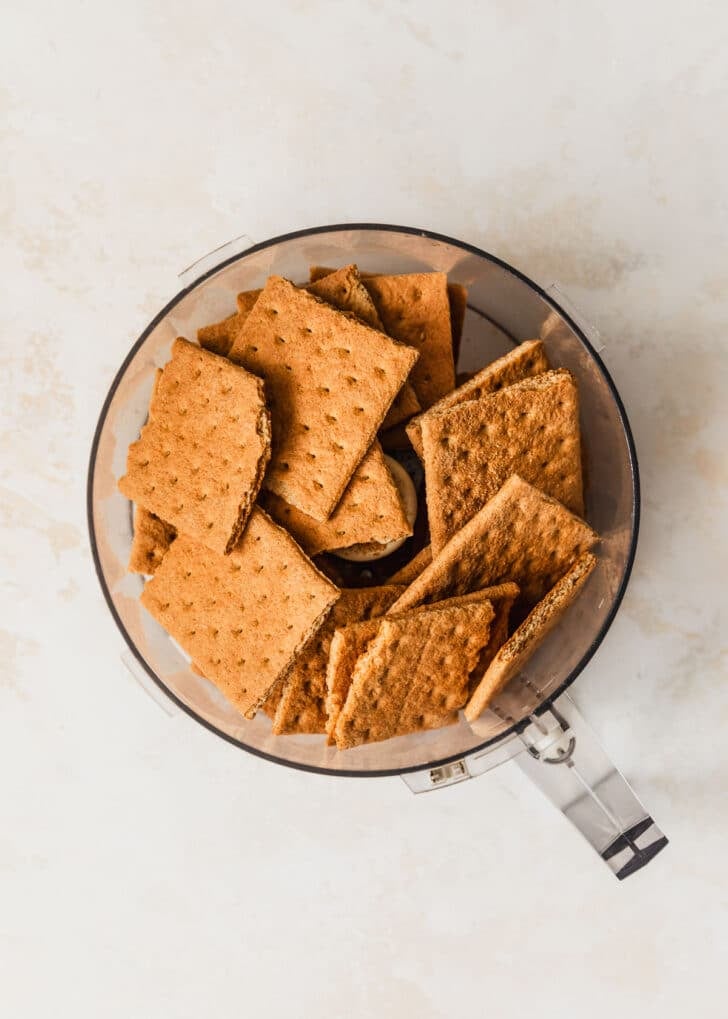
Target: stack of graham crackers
x,y
263,448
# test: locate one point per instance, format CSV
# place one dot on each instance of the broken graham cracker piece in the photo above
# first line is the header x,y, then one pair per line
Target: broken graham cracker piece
x,y
201,456
525,360
302,702
407,573
242,617
530,428
151,541
520,535
415,666
330,381
351,641
516,651
218,337
415,310
370,510
405,405
344,289
246,299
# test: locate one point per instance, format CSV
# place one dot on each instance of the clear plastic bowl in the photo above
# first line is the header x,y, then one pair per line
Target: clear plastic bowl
x,y
504,308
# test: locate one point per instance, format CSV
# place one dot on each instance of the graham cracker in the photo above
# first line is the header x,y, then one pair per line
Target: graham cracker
x,y
273,697
330,380
407,573
501,597
218,337
530,428
524,361
404,406
302,703
151,541
344,289
370,510
242,617
520,535
516,651
415,310
201,456
246,300
351,641
416,665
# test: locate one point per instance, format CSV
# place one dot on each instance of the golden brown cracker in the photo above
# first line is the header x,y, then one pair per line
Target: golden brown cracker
x,y
525,360
347,646
330,381
218,337
201,456
344,290
151,541
520,535
370,510
530,428
407,573
246,300
415,310
302,704
416,665
516,651
242,617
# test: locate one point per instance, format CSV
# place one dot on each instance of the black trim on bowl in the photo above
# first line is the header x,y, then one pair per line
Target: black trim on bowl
x,y
463,246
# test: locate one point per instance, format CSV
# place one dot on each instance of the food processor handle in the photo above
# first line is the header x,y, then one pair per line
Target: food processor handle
x,y
565,760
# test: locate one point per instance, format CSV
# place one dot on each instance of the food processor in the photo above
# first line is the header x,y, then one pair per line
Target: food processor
x,y
533,721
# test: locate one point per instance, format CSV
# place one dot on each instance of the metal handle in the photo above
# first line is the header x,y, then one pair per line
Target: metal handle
x,y
565,760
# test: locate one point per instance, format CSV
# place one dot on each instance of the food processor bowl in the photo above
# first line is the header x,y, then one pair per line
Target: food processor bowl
x,y
532,720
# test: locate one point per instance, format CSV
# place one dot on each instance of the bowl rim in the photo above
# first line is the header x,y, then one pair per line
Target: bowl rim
x,y
634,470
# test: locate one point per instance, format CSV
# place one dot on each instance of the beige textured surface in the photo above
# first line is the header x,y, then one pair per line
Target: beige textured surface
x,y
530,428
407,573
330,380
151,541
525,360
218,337
516,651
415,666
242,617
520,535
370,510
415,309
200,458
302,703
